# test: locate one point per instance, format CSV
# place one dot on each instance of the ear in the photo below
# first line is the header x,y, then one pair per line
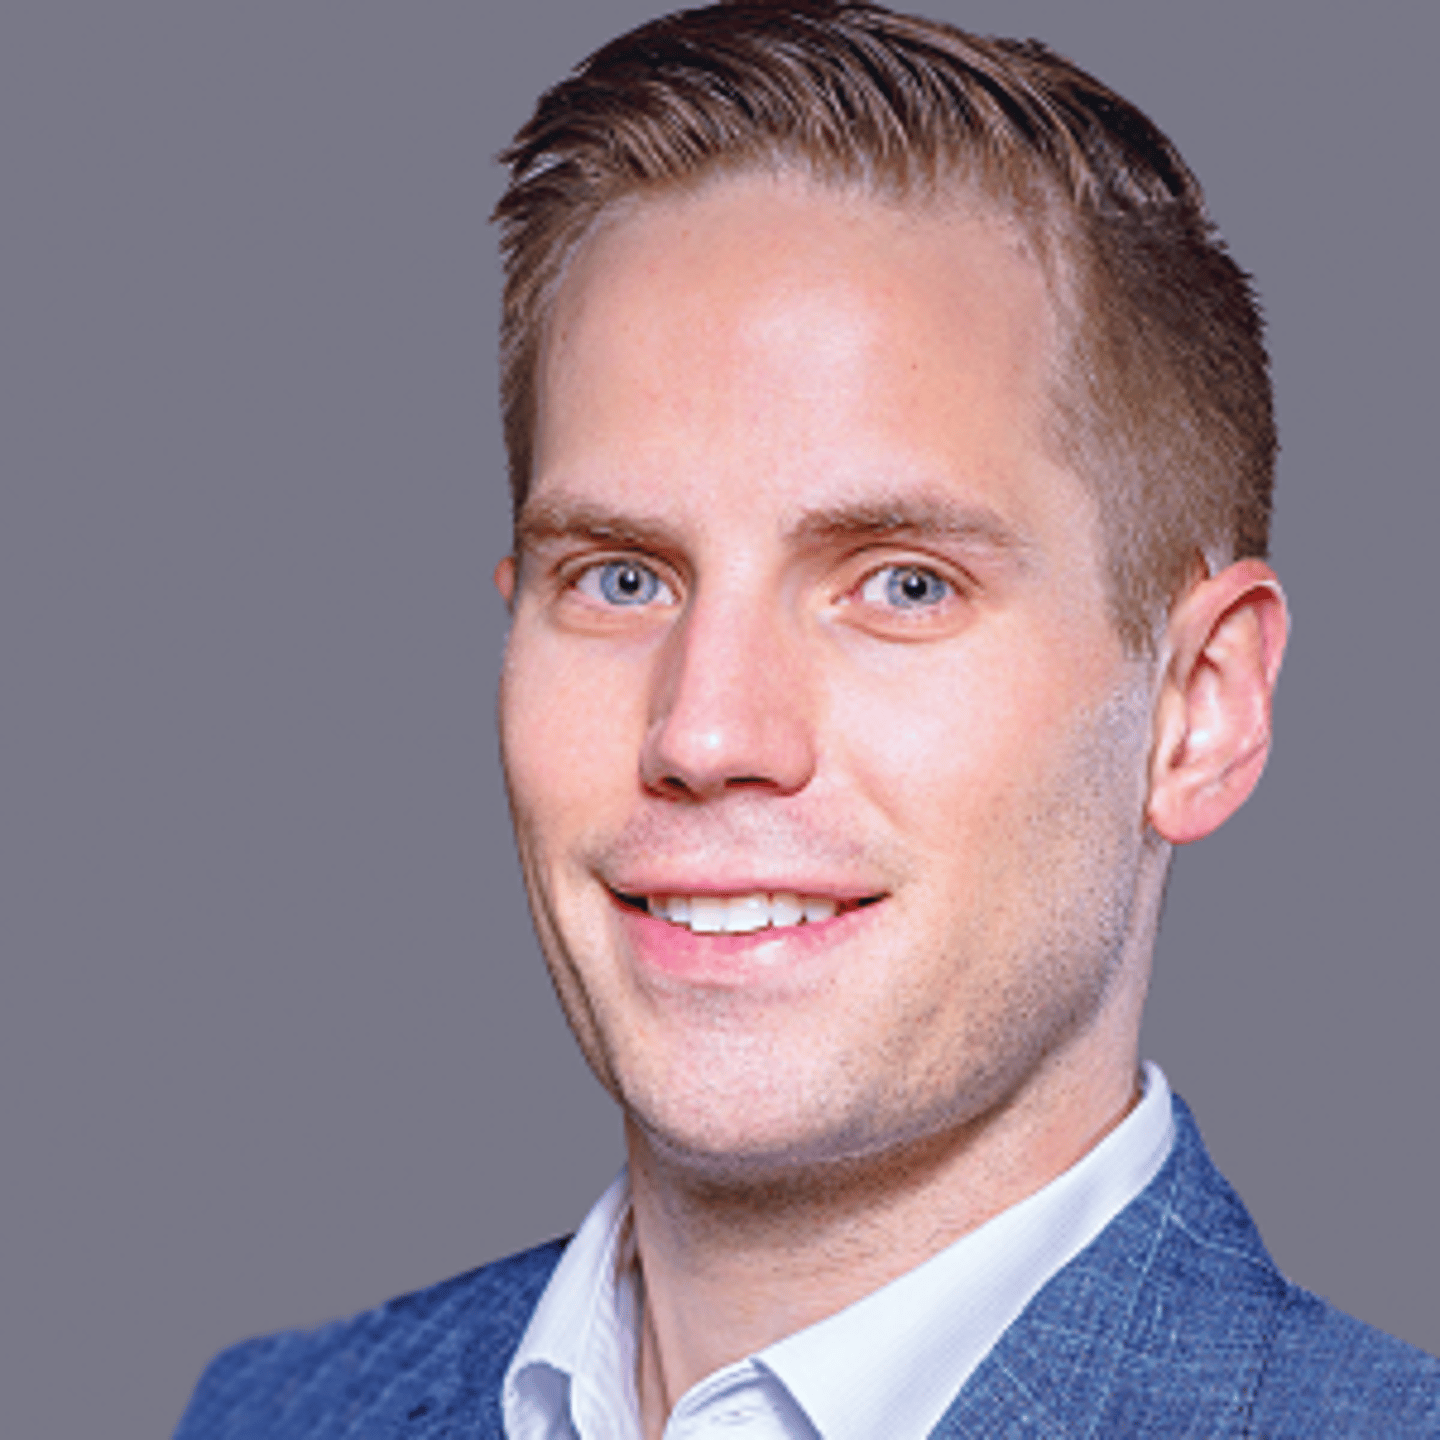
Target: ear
x,y
1223,647
505,579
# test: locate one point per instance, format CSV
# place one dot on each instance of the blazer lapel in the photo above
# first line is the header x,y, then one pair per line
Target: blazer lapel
x,y
1159,1328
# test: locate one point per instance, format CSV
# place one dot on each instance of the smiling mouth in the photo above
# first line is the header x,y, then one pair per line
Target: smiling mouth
x,y
743,914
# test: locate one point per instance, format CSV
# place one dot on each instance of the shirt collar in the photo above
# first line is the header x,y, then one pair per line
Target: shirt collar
x,y
575,1370
889,1364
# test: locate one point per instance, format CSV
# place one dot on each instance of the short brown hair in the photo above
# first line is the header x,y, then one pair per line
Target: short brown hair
x,y
1161,400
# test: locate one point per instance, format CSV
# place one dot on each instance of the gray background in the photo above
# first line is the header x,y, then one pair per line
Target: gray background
x,y
274,1039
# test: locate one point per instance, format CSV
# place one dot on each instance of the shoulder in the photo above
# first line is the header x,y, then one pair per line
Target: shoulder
x,y
1176,1321
416,1365
1294,1365
1329,1374
1316,1370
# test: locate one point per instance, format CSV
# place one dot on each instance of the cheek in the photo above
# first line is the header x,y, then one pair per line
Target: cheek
x,y
571,723
1013,774
946,741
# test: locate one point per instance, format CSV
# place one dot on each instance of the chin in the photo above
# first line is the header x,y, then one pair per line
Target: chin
x,y
755,1126
748,1135
752,1141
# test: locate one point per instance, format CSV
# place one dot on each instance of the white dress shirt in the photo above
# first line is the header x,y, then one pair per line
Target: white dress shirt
x,y
888,1365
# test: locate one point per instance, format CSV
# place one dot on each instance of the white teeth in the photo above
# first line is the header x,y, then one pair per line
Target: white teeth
x,y
675,908
741,914
707,914
786,909
744,913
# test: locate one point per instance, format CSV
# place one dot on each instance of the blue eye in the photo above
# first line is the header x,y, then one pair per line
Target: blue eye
x,y
624,582
905,587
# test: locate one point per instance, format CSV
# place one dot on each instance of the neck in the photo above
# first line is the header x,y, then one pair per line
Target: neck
x,y
731,1265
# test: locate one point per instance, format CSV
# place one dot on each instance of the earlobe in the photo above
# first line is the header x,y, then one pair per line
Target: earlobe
x,y
505,579
1225,641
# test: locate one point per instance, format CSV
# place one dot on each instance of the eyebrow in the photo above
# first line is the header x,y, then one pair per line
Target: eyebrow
x,y
925,516
542,521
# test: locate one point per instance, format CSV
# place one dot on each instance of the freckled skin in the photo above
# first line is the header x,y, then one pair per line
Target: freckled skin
x,y
720,366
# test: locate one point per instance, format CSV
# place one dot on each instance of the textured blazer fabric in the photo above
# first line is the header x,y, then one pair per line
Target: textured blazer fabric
x,y
1174,1322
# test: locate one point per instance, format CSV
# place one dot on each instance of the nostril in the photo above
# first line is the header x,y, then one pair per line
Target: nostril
x,y
709,737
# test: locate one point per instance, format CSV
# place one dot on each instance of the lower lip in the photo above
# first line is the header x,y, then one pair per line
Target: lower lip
x,y
785,953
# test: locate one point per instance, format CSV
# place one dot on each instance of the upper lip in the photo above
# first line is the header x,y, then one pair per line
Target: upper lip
x,y
680,885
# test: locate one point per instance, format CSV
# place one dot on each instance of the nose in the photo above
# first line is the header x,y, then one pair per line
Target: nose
x,y
731,708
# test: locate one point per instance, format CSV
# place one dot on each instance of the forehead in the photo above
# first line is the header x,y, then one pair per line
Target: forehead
x,y
767,332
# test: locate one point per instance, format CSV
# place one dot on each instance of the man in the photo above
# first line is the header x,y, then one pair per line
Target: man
x,y
891,450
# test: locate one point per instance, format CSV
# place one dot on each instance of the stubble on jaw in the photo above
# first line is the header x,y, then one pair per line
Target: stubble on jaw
x,y
1077,964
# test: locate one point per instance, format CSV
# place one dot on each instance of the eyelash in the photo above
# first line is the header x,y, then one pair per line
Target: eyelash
x,y
596,581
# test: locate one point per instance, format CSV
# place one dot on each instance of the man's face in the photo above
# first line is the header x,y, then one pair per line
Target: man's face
x,y
806,621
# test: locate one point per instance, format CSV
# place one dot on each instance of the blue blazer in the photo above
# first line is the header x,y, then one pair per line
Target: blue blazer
x,y
1173,1322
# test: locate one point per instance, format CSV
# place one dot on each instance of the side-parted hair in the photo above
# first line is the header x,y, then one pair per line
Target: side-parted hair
x,y
1160,399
